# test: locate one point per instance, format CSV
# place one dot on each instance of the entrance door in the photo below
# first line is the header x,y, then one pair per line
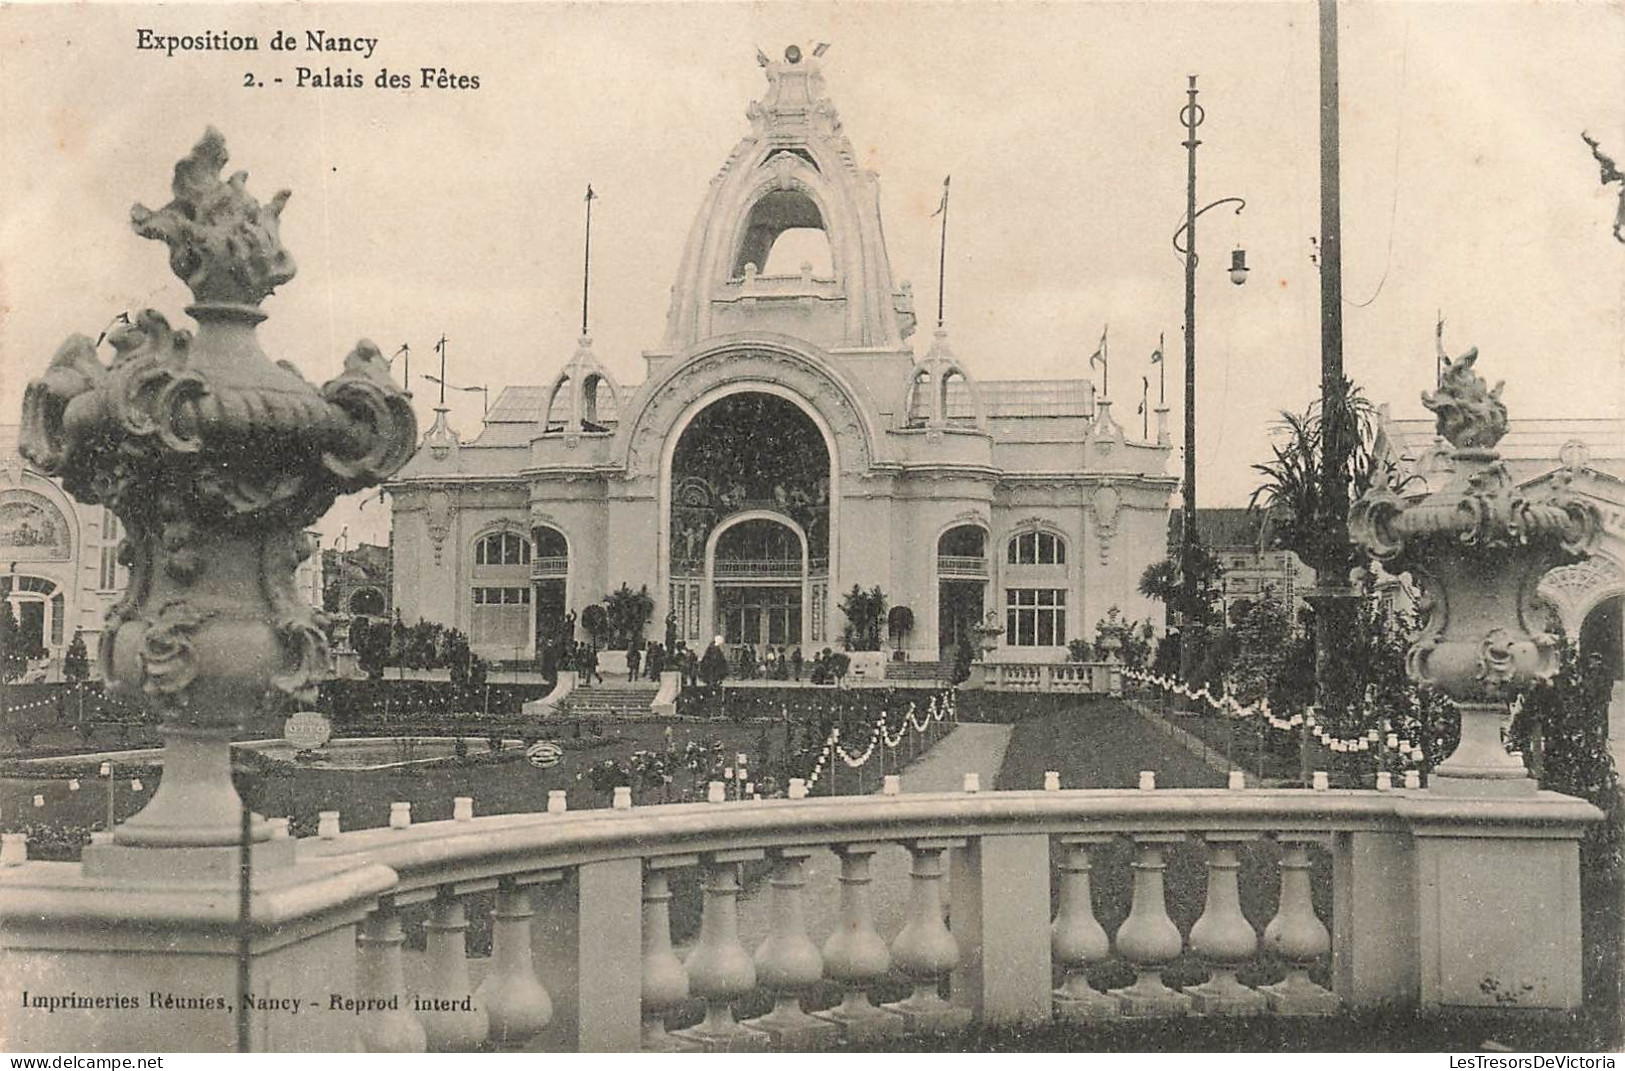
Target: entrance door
x,y
760,616
959,608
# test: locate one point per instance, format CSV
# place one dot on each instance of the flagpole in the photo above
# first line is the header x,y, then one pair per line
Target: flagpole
x,y
942,251
1162,372
586,261
1440,357
441,346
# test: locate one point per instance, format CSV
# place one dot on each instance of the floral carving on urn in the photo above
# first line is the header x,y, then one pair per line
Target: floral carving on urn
x,y
1478,545
216,459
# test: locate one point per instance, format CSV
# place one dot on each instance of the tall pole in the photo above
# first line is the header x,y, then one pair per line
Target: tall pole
x,y
1331,576
586,260
1192,116
441,346
942,251
1334,468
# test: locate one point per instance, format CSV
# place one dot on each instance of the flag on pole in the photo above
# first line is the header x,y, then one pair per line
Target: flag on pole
x,y
1145,391
590,195
1162,371
943,207
1099,357
1442,360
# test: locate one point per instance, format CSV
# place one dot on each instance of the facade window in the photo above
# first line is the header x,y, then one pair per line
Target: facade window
x,y
109,573
1035,617
1037,548
502,548
500,617
109,525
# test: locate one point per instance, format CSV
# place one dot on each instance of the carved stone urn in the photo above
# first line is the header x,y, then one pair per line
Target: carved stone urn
x,y
1478,546
216,459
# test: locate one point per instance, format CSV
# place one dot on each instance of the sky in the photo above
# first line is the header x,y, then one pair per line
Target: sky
x,y
458,212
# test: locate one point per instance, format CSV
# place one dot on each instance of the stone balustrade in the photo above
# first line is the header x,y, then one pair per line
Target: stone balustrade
x,y
1070,678
580,898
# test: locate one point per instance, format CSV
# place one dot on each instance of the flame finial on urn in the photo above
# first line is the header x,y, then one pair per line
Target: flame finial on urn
x,y
223,244
1470,415
216,459
1478,545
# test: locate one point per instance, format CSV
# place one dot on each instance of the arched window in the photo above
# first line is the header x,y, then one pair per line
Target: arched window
x,y
790,215
558,407
964,541
958,407
502,548
919,399
598,406
1036,548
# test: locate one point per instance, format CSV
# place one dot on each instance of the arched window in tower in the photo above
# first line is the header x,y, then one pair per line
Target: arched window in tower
x,y
599,410
919,399
784,232
558,407
958,407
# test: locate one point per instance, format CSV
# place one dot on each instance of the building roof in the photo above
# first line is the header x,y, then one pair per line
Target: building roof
x,y
1222,528
518,405
1033,397
1530,448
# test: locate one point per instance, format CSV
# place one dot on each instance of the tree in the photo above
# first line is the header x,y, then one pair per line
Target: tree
x,y
595,619
76,662
713,667
14,652
626,612
1160,581
1309,516
865,611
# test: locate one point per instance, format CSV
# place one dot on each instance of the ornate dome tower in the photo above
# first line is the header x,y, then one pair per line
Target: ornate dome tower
x,y
795,170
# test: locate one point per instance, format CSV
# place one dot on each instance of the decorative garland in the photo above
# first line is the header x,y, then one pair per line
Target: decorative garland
x,y
1229,705
880,735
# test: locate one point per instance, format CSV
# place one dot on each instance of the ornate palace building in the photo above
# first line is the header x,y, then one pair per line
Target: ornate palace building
x,y
785,445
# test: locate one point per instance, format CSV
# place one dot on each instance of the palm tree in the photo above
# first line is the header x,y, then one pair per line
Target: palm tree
x,y
1310,518
1300,508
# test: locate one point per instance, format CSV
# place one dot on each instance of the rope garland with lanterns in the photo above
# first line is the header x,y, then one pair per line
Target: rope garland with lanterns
x,y
939,709
1230,706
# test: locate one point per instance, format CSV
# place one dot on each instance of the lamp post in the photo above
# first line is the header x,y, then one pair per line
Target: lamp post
x,y
1191,116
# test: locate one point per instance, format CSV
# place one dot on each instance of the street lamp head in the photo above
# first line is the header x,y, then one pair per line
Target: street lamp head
x,y
1238,266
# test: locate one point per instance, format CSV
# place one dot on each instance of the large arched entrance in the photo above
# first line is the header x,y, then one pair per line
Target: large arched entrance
x,y
1603,635
749,528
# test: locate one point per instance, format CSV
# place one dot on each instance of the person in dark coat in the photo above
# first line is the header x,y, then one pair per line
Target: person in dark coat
x,y
634,658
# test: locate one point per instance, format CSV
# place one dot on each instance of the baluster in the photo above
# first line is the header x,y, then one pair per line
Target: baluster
x,y
1223,937
452,1021
788,962
514,999
1077,940
719,968
381,981
924,952
855,955
1297,935
665,982
1148,938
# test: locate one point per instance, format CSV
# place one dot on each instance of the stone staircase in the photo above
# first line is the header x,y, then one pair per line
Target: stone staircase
x,y
923,672
612,699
